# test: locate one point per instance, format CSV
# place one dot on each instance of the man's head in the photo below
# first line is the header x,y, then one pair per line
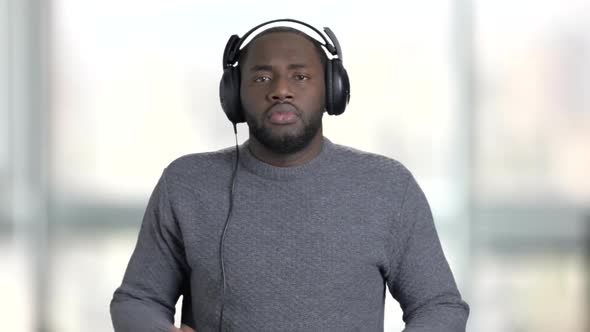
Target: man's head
x,y
282,89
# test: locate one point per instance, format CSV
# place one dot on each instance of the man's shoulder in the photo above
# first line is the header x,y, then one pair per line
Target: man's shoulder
x,y
369,161
202,162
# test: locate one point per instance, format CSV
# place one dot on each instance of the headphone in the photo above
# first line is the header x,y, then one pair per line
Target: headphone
x,y
336,78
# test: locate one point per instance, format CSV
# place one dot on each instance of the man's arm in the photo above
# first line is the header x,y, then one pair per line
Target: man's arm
x,y
156,272
421,280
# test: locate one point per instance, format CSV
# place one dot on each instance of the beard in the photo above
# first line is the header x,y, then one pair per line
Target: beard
x,y
285,143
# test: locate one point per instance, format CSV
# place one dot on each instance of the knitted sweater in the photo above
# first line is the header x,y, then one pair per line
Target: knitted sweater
x,y
307,248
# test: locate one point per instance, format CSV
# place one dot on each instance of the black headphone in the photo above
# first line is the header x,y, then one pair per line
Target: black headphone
x,y
336,78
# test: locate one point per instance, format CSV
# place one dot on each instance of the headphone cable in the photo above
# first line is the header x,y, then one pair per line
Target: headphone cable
x,y
231,200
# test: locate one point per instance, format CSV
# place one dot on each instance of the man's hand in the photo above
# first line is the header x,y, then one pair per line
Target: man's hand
x,y
183,328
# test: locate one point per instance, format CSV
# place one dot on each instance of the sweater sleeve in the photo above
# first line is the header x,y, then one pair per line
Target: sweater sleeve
x,y
155,275
421,280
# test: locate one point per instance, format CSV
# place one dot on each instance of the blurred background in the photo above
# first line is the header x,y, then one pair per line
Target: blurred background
x,y
486,101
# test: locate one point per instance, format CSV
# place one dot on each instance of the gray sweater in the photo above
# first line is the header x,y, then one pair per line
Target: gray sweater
x,y
308,248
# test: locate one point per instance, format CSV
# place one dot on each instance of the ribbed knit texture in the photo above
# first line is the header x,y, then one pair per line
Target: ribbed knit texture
x,y
308,248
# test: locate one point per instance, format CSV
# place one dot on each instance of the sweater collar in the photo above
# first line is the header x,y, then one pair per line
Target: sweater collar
x,y
265,170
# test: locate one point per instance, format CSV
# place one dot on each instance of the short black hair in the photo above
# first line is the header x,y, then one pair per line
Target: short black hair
x,y
317,45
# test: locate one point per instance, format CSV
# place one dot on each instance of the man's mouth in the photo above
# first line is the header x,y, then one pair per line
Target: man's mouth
x,y
283,114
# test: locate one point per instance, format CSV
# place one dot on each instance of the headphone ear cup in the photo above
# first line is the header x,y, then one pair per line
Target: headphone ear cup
x,y
229,95
340,87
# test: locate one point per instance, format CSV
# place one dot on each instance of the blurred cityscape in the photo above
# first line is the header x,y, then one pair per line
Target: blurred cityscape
x,y
487,102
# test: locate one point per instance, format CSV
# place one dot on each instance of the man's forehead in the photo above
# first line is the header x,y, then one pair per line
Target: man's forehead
x,y
280,38
282,44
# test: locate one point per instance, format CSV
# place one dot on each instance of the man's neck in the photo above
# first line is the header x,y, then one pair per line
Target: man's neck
x,y
287,160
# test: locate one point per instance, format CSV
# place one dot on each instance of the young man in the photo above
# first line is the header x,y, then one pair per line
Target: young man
x,y
314,230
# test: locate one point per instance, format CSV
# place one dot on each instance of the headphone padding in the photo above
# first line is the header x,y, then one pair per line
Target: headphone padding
x,y
329,91
229,95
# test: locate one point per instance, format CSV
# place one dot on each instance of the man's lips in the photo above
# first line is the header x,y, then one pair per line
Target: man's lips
x,y
282,114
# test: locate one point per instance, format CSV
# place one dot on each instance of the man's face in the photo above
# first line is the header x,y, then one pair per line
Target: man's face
x,y
282,91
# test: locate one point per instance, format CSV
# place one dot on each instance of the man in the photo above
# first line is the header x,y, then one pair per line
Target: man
x,y
314,230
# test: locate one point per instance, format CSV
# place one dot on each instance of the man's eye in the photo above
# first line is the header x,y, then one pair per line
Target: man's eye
x,y
260,79
301,77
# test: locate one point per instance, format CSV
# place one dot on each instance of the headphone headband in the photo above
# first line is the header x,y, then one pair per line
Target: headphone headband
x,y
232,50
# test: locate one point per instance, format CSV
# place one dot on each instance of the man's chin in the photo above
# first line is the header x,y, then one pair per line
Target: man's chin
x,y
285,144
284,140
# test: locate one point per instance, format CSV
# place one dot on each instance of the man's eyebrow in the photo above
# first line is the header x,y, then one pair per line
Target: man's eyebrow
x,y
261,67
269,67
296,66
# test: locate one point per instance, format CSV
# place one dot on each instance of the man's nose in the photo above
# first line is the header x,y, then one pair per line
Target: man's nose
x,y
280,90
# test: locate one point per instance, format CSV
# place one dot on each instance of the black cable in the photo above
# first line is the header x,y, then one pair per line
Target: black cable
x,y
231,201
